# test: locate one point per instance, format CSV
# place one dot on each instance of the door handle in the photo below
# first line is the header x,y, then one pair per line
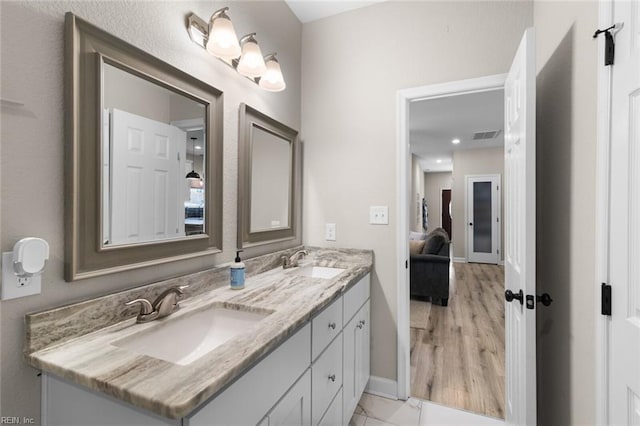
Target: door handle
x,y
545,299
470,223
510,296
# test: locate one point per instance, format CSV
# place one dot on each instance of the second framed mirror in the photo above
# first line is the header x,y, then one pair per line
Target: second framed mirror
x,y
268,183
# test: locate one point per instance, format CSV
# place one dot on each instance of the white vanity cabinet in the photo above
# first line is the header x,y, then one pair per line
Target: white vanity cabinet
x,y
314,378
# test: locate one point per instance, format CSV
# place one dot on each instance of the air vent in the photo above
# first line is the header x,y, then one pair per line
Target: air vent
x,y
486,135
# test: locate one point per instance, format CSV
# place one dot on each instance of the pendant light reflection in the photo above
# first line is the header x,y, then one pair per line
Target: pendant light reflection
x,y
223,41
251,62
272,80
193,175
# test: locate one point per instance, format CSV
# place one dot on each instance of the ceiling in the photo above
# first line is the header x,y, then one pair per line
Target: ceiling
x,y
311,10
434,123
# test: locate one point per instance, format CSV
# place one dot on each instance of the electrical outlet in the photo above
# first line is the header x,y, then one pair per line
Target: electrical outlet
x,y
330,232
14,286
379,215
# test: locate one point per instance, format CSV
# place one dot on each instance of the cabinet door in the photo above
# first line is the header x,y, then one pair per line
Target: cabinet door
x,y
350,393
333,416
365,347
294,409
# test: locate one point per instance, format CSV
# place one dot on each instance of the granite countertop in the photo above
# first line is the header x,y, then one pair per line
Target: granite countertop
x,y
75,343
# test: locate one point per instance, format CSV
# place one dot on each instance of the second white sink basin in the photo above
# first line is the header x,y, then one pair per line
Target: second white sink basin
x,y
317,271
182,340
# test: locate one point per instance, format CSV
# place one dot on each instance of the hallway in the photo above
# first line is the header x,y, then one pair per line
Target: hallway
x,y
457,352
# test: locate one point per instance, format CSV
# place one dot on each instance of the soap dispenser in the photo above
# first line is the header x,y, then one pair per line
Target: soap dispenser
x,y
237,272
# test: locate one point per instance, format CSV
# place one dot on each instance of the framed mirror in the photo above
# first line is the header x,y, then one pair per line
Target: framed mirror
x,y
143,158
268,182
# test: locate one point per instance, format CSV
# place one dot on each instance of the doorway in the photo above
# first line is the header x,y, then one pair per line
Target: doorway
x,y
479,85
445,209
457,309
483,218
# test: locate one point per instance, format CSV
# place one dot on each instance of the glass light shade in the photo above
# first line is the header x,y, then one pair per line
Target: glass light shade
x,y
223,41
251,62
272,79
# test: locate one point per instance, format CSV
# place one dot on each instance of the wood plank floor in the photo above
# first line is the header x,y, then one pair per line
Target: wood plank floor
x,y
457,351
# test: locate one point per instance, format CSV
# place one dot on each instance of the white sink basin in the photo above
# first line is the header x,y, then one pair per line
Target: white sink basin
x,y
317,271
182,340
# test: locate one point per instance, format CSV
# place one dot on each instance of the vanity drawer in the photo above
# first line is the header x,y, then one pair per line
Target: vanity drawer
x,y
325,327
355,297
326,379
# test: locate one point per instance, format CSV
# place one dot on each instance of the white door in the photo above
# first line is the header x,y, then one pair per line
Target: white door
x,y
520,232
624,214
483,218
146,175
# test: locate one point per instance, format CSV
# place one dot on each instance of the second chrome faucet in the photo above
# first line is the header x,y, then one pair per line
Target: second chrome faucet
x,y
164,305
292,261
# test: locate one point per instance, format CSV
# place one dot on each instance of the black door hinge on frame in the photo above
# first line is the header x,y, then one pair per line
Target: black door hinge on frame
x,y
605,308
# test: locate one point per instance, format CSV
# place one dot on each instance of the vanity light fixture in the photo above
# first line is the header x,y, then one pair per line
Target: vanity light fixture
x,y
251,63
219,38
272,80
222,39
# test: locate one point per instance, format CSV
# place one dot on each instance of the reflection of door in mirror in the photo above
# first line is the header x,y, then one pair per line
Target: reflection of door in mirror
x,y
146,127
271,173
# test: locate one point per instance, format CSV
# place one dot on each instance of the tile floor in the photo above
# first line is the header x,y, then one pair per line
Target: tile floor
x,y
377,411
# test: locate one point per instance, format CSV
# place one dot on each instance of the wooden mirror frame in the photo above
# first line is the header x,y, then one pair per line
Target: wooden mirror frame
x,y
261,242
86,47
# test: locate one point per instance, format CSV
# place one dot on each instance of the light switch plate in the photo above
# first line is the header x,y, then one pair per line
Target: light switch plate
x,y
330,232
14,286
379,215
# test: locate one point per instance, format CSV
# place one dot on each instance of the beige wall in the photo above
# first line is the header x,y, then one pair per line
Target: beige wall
x,y
32,138
353,65
566,158
472,162
416,195
434,183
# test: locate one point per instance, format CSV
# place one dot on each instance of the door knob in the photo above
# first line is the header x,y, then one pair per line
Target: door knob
x,y
510,296
545,299
470,223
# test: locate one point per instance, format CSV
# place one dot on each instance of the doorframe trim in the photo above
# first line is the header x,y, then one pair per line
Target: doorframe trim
x,y
467,245
403,158
603,150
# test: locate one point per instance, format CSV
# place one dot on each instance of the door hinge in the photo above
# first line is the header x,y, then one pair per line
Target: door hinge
x,y
605,308
406,264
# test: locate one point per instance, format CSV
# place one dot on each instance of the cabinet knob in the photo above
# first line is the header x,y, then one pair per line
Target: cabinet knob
x,y
363,322
332,325
360,325
332,377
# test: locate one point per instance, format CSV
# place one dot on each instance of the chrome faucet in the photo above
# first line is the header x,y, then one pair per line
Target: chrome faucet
x,y
292,261
164,305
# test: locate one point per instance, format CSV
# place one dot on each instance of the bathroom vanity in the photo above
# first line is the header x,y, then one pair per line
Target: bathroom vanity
x,y
297,352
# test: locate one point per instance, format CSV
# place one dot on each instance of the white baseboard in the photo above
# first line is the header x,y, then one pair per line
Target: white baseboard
x,y
459,260
380,386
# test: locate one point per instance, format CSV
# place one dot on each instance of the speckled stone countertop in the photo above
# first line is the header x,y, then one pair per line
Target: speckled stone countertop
x,y
75,341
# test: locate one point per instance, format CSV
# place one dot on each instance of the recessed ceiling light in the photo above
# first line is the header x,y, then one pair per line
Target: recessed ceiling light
x,y
198,147
455,141
438,161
